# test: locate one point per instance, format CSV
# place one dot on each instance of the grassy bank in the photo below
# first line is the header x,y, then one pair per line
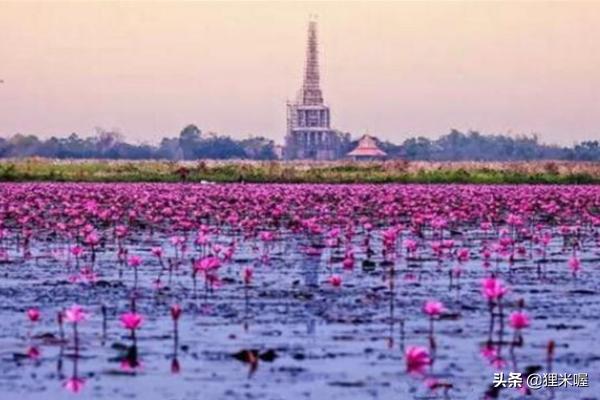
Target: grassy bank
x,y
548,172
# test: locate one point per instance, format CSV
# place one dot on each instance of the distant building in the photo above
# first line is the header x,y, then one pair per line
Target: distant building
x,y
367,150
309,135
278,150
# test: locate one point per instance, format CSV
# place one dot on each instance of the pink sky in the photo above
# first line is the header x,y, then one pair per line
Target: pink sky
x,y
394,69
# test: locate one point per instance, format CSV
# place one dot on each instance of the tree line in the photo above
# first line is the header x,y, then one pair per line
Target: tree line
x,y
474,146
193,144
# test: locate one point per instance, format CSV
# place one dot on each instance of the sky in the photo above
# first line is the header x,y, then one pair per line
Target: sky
x,y
393,69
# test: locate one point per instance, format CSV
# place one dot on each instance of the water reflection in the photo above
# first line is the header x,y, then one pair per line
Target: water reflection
x,y
310,265
75,383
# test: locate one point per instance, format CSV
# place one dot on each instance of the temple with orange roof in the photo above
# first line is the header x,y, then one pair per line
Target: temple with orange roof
x,y
367,150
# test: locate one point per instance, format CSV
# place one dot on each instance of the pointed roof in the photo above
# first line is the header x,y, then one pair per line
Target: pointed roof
x,y
311,89
367,147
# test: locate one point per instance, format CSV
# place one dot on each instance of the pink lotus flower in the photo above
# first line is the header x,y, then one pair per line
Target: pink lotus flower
x,y
202,239
433,308
514,220
389,237
75,314
411,245
128,365
76,250
33,314
348,263
248,273
334,233
439,223
74,384
417,359
157,252
175,366
486,226
489,352
177,240
121,231
266,236
565,230
574,264
335,280
463,255
33,353
92,239
448,243
331,242
175,312
134,261
131,320
207,264
518,320
493,289
546,238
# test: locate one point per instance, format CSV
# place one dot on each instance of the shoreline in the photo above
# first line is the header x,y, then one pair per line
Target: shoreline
x,y
341,172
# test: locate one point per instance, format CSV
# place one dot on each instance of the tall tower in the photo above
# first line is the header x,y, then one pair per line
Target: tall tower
x,y
309,135
311,90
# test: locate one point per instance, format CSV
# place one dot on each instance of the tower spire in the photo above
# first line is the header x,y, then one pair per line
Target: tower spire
x,y
311,90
